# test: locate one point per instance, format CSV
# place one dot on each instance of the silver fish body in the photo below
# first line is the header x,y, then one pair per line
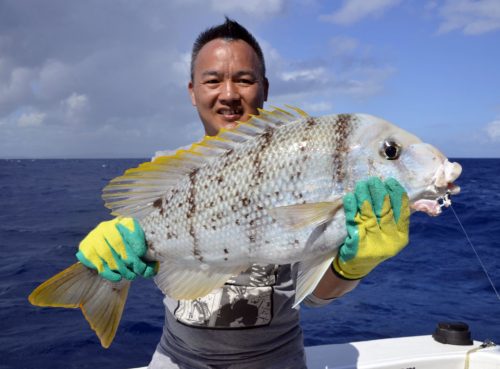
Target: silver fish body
x,y
268,192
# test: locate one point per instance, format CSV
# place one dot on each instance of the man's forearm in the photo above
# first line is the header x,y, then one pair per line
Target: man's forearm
x,y
332,286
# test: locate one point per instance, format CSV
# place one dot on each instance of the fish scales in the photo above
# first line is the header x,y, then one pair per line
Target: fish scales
x,y
229,198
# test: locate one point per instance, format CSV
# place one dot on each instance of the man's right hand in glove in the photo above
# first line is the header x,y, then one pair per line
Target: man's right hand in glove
x,y
114,248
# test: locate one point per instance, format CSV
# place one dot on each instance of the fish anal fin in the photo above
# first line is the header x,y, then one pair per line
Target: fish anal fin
x,y
295,217
101,301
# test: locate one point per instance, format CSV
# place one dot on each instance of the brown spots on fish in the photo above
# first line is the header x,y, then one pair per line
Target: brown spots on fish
x,y
265,141
295,176
297,195
191,198
219,179
159,205
171,235
150,245
342,129
245,201
191,211
226,251
197,255
310,123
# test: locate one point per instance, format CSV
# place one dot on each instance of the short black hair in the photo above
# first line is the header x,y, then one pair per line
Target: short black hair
x,y
230,30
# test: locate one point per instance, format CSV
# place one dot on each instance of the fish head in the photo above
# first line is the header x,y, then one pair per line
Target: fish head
x,y
379,148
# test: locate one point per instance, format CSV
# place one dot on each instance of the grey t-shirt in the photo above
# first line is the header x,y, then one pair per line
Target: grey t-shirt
x,y
250,318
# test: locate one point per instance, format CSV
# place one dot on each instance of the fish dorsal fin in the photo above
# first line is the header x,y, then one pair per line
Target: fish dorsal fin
x,y
134,193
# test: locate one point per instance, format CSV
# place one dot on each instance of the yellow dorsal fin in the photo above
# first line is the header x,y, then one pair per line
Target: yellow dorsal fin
x,y
134,193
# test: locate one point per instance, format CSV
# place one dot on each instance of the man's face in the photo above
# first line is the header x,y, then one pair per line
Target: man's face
x,y
227,84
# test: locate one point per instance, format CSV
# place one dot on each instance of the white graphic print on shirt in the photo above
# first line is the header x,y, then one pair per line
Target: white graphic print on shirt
x,y
245,301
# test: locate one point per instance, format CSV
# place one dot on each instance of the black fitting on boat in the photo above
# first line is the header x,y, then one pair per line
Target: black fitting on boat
x,y
453,333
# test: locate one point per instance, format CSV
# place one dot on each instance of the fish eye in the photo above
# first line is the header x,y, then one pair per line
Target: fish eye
x,y
391,150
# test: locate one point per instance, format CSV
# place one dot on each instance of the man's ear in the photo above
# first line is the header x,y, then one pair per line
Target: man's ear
x,y
266,88
191,93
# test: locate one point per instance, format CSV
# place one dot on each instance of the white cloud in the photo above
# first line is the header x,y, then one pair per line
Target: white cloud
x,y
347,68
313,74
353,11
54,78
318,107
493,130
14,84
181,69
32,119
76,102
472,17
75,106
256,7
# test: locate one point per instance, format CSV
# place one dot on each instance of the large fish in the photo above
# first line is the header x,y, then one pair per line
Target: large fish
x,y
266,192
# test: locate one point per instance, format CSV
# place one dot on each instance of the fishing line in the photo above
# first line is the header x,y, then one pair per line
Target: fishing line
x,y
477,255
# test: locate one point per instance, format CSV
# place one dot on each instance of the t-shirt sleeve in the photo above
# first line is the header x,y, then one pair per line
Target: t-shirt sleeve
x,y
314,301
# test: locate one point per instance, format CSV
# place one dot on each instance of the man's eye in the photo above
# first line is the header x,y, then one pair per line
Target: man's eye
x,y
246,81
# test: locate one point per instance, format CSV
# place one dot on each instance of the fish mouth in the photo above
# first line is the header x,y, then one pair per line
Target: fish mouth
x,y
439,194
434,206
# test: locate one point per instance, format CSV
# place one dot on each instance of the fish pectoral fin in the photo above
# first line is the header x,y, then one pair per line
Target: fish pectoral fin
x,y
310,273
188,283
295,217
100,300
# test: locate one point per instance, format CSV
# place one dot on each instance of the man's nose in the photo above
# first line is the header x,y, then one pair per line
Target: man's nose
x,y
229,92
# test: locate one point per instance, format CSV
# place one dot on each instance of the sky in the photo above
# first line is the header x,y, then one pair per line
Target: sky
x,y
108,79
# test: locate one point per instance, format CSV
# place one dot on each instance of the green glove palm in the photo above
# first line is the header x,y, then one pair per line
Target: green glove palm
x,y
114,248
378,220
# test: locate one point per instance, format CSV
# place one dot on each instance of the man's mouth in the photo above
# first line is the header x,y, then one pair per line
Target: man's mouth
x,y
230,114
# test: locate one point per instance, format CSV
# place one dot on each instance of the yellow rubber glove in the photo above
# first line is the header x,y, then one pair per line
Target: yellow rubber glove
x,y
114,248
378,221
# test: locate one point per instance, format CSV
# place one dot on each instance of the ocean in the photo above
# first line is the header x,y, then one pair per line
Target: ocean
x,y
48,206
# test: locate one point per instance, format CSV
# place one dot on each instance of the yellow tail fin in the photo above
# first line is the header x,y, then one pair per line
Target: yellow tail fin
x,y
101,301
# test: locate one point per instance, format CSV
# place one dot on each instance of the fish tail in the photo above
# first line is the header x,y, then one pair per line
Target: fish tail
x,y
100,300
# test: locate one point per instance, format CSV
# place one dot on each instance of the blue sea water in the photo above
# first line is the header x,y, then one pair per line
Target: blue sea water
x,y
48,206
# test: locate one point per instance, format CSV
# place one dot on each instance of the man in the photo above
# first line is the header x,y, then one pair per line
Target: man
x,y
248,323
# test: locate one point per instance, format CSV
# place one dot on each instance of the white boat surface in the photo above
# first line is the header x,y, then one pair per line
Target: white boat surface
x,y
419,352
